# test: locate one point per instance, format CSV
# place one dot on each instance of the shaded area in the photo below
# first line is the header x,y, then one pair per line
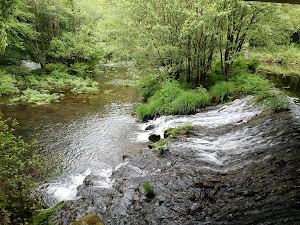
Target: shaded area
x,y
290,84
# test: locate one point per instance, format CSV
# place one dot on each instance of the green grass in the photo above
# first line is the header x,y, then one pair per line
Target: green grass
x,y
274,68
252,84
222,91
171,99
282,54
180,130
148,190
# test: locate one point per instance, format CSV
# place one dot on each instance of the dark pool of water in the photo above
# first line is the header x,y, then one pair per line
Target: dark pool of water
x,y
290,84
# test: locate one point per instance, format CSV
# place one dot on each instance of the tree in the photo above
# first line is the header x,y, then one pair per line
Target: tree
x,y
20,168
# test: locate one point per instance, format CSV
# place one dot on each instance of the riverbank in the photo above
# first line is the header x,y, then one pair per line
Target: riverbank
x,y
245,171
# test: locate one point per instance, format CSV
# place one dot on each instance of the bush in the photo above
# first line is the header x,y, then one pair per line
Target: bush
x,y
222,91
148,85
277,102
7,84
56,66
20,168
252,84
242,66
82,69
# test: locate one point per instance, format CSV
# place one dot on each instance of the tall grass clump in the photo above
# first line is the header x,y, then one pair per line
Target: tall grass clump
x,y
222,91
171,99
160,102
148,190
188,101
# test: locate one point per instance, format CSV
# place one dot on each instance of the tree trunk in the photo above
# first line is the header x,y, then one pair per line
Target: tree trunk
x,y
246,54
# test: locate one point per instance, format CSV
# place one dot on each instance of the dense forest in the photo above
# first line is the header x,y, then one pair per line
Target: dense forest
x,y
183,54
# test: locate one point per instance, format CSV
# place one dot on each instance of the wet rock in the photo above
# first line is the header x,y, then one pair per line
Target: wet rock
x,y
89,220
166,132
154,137
150,127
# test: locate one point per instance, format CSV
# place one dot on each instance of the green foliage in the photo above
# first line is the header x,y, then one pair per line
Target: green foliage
x,y
71,47
20,168
83,69
252,84
283,54
148,85
277,102
148,190
188,101
43,216
34,96
171,99
180,130
56,67
161,147
241,66
222,91
7,84
274,68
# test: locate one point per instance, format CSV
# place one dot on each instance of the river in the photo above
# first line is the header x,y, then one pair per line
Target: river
x,y
240,165
91,132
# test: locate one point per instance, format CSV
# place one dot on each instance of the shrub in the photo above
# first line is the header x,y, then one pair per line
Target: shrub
x,y
43,216
148,85
148,190
82,69
222,91
160,102
20,168
56,66
277,102
7,84
171,99
252,84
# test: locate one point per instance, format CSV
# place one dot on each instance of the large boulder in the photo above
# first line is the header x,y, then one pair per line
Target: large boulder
x,y
89,220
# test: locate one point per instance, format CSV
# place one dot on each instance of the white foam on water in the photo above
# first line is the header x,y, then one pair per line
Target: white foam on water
x,y
30,65
66,189
238,111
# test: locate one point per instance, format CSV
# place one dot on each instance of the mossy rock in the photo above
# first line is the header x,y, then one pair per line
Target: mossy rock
x,y
89,220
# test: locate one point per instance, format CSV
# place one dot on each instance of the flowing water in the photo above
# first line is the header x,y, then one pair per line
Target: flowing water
x,y
91,132
94,133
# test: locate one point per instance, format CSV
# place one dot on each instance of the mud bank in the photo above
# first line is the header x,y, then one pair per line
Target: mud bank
x,y
247,172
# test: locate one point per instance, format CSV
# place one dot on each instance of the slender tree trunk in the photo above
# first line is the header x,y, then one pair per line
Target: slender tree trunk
x,y
35,46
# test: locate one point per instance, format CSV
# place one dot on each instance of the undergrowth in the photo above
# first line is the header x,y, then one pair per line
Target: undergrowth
x,y
46,85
